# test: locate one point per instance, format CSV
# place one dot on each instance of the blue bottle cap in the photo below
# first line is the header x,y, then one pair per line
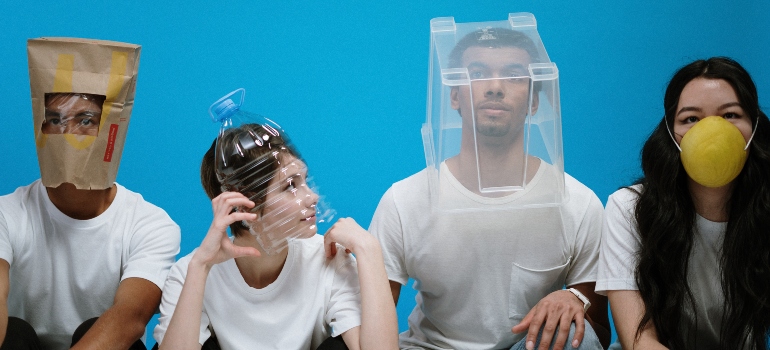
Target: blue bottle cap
x,y
224,108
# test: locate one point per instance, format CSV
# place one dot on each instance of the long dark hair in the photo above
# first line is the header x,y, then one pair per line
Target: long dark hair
x,y
665,217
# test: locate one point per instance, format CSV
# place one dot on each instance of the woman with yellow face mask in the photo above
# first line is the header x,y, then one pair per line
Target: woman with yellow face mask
x,y
685,258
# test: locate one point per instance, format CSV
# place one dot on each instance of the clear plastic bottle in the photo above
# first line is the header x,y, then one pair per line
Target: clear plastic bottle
x,y
255,157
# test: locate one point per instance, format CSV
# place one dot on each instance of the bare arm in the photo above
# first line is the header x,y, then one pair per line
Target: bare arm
x,y
4,287
184,328
597,313
124,322
379,327
627,311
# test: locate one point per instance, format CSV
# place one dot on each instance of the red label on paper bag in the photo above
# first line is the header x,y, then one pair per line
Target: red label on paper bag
x,y
111,142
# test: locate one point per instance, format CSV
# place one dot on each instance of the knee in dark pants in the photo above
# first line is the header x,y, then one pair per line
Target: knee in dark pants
x,y
211,343
335,343
82,329
20,335
85,326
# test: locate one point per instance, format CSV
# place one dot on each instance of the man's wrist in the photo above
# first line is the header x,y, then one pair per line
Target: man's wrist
x,y
582,298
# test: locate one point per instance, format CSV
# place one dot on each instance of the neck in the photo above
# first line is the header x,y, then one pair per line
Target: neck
x,y
500,162
81,204
259,271
711,203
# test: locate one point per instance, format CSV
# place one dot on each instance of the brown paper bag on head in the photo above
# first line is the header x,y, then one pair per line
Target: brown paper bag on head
x,y
82,96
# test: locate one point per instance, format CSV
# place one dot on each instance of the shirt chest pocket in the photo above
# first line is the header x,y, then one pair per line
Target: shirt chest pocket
x,y
529,285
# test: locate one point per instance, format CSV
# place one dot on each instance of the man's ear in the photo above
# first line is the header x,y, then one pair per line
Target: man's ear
x,y
455,103
535,102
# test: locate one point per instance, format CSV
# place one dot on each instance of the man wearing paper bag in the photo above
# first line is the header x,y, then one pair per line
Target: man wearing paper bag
x,y
77,250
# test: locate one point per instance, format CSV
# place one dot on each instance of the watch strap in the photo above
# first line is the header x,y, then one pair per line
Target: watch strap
x,y
583,298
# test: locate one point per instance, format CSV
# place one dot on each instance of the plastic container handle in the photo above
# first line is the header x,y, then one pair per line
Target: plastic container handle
x,y
224,107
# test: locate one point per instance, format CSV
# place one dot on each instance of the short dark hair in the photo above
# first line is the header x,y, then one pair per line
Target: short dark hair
x,y
493,38
248,169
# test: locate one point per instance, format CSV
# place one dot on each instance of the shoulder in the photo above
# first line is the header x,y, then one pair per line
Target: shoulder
x,y
577,191
21,203
19,197
581,200
417,182
310,252
410,190
135,200
179,269
624,199
308,247
141,212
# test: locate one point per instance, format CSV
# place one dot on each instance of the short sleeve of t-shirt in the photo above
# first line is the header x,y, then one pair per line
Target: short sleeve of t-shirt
x,y
153,246
587,239
386,227
620,243
171,291
11,212
344,308
6,251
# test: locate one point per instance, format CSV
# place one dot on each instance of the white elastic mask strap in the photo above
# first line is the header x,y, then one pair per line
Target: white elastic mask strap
x,y
672,135
756,125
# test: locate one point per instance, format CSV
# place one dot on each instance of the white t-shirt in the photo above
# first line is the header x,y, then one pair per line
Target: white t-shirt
x,y
617,263
478,273
65,271
313,298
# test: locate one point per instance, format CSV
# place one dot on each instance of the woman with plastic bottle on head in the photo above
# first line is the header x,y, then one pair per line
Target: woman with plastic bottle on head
x,y
275,283
685,258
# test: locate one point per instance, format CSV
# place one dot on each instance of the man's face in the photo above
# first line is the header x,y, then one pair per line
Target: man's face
x,y
499,90
72,114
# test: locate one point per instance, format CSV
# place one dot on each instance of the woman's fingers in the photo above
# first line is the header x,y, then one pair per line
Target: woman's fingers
x,y
227,201
224,207
330,245
238,251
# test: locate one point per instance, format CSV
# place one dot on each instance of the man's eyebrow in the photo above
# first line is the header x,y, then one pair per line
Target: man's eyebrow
x,y
516,66
51,113
477,65
89,112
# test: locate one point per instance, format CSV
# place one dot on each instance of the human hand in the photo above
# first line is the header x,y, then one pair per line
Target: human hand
x,y
559,308
216,246
349,234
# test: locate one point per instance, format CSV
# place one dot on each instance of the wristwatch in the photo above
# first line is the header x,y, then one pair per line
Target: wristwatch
x,y
586,302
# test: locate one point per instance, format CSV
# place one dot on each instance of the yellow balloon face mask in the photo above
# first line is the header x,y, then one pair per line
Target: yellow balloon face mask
x,y
713,152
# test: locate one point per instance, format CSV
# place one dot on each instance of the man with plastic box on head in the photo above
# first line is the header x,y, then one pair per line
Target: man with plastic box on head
x,y
82,259
493,229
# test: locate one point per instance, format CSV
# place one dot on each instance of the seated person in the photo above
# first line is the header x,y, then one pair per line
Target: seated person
x,y
684,258
82,259
275,283
490,258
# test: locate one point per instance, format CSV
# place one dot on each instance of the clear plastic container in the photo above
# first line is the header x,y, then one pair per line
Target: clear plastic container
x,y
493,122
255,157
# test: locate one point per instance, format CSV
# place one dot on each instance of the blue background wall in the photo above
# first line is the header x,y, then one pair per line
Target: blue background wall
x,y
348,80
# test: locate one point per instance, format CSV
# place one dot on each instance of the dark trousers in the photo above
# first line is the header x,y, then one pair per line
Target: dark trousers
x,y
21,336
210,344
328,344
